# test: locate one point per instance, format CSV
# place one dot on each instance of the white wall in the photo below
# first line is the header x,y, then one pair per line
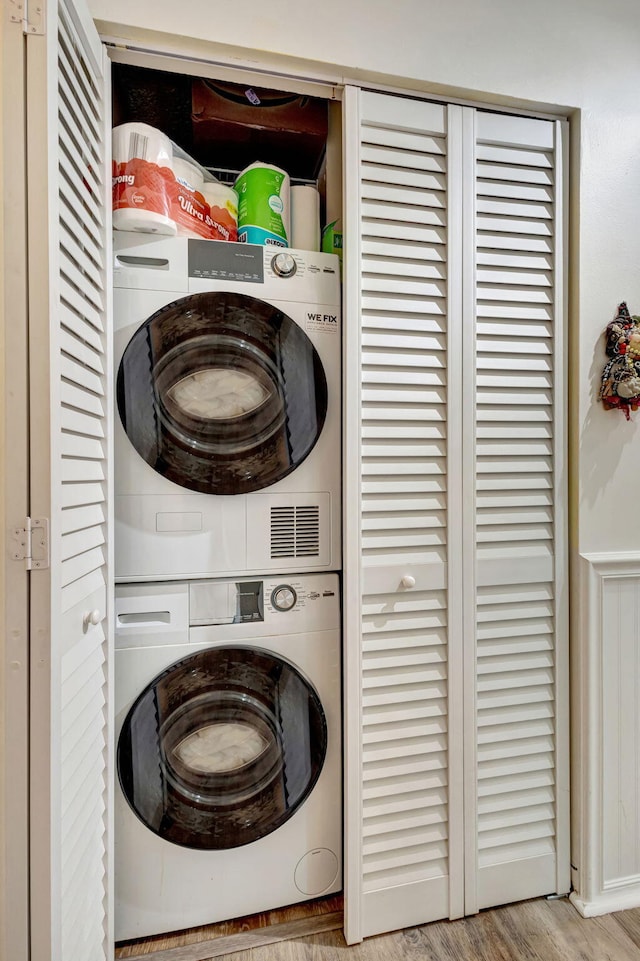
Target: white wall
x,y
578,57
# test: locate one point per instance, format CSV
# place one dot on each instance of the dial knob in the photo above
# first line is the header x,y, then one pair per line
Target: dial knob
x,y
283,265
283,598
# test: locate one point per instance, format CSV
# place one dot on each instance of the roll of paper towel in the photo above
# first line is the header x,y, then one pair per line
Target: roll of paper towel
x,y
188,173
223,209
264,205
305,218
140,141
143,168
189,210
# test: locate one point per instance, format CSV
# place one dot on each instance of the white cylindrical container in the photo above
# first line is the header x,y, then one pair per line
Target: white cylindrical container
x,y
263,205
140,200
305,218
223,209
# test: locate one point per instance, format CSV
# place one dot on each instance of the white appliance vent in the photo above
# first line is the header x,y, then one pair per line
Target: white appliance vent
x,y
295,531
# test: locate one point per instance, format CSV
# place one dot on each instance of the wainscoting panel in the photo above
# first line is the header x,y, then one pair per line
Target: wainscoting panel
x,y
607,734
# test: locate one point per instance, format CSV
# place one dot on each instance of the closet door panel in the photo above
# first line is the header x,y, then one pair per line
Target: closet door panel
x,y
69,186
402,274
519,534
455,631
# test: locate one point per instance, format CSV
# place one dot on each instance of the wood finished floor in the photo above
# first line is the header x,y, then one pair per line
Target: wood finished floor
x,y
531,931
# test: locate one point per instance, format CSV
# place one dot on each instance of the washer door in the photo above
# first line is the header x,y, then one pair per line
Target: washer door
x,y
222,393
222,748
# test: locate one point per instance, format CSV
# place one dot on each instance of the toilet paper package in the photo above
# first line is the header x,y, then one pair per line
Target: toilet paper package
x,y
263,205
157,187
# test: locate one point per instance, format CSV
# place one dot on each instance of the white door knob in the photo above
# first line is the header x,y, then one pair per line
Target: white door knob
x,y
408,581
91,617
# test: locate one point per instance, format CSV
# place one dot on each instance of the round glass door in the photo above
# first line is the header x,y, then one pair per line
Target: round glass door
x,y
222,748
222,393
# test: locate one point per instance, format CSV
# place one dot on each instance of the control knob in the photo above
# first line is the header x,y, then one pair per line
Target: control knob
x,y
283,597
283,265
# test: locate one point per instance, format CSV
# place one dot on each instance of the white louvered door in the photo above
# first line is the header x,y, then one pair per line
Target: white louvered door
x,y
454,537
396,484
518,427
68,148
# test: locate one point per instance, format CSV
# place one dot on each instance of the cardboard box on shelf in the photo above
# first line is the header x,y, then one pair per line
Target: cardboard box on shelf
x,y
234,126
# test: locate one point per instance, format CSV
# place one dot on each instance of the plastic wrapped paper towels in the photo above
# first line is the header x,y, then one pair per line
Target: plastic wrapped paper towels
x,y
263,205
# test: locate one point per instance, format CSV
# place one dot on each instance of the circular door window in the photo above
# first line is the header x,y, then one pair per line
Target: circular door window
x,y
222,393
222,748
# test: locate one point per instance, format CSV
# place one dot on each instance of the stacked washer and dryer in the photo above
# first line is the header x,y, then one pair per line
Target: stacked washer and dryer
x,y
228,653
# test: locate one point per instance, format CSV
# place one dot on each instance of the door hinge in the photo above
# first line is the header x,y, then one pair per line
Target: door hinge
x,y
30,543
30,13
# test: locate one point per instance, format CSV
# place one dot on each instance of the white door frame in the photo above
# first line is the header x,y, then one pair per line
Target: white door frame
x,y
14,488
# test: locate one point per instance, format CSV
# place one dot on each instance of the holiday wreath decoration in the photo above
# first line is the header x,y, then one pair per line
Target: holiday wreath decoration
x,y
621,376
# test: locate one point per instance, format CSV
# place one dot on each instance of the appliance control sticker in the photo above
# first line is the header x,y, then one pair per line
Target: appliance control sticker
x,y
321,323
209,260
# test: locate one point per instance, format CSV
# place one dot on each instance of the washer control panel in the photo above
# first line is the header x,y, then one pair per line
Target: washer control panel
x,y
226,610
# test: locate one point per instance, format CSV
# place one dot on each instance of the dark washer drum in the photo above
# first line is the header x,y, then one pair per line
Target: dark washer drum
x,y
222,393
222,747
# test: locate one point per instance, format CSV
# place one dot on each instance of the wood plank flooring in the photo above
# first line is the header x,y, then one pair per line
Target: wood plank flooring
x,y
297,920
537,930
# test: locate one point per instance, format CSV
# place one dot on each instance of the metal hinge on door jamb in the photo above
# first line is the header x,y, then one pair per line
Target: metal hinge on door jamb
x,y
30,13
31,543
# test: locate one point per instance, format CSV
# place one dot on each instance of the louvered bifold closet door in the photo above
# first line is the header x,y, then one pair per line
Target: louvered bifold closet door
x,y
520,494
400,160
69,192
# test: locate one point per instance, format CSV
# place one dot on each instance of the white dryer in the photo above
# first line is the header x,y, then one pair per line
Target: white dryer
x,y
228,731
227,445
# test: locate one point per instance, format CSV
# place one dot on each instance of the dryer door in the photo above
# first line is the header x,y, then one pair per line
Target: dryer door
x,y
222,393
222,748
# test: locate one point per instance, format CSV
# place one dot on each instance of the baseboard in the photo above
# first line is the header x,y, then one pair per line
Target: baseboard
x,y
606,903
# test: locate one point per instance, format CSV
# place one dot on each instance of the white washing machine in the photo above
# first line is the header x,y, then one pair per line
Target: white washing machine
x,y
228,727
227,444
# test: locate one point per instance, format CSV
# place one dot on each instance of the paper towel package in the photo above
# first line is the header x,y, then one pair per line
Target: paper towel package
x,y
142,165
263,205
157,188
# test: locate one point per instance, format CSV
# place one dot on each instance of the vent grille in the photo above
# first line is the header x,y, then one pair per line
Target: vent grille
x,y
295,531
